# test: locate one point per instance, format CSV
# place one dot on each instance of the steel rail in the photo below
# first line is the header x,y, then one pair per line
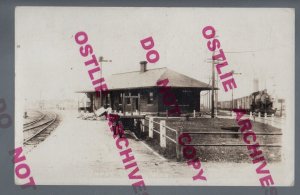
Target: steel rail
x,y
35,121
38,132
26,129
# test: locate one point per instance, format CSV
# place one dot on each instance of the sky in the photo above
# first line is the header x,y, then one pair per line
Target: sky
x,y
258,43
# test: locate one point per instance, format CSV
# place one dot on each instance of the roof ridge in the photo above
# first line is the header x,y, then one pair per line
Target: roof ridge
x,y
138,71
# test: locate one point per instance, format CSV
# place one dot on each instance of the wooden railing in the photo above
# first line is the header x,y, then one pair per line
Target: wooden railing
x,y
164,137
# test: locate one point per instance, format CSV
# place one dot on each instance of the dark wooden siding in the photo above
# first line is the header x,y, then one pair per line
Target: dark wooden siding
x,y
145,107
116,100
188,100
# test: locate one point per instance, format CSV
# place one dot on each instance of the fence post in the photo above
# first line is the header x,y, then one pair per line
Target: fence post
x,y
178,146
151,127
259,115
194,113
162,130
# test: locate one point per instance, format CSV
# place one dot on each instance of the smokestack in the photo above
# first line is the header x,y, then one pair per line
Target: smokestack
x,y
143,65
255,85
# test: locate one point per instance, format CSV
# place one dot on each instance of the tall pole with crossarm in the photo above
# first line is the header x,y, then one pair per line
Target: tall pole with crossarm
x,y
233,73
213,89
101,59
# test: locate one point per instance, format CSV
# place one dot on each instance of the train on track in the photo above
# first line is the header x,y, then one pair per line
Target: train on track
x,y
259,101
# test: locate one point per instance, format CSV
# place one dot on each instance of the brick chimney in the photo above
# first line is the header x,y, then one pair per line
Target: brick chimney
x,y
143,65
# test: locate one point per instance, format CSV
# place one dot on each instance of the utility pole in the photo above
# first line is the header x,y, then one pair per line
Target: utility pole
x,y
213,79
236,52
208,98
213,88
212,100
101,59
217,98
232,99
233,73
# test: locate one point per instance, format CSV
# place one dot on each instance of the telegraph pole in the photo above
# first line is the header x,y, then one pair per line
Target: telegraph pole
x,y
213,88
232,100
217,97
233,73
213,81
212,93
208,100
101,59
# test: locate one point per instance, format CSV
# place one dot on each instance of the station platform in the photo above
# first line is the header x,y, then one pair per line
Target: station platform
x,y
84,152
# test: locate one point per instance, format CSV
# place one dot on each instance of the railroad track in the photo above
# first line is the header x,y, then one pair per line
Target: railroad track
x,y
42,115
37,130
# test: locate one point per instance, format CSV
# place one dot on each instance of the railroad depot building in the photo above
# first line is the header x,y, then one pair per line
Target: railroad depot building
x,y
138,90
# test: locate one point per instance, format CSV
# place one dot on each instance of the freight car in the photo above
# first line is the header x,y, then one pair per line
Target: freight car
x,y
259,101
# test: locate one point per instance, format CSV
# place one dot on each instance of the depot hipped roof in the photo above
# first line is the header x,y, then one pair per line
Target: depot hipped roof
x,y
147,79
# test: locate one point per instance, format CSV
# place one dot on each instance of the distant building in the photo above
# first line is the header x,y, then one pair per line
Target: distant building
x,y
143,84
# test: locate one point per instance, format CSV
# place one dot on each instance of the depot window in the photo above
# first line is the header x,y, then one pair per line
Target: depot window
x,y
150,98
